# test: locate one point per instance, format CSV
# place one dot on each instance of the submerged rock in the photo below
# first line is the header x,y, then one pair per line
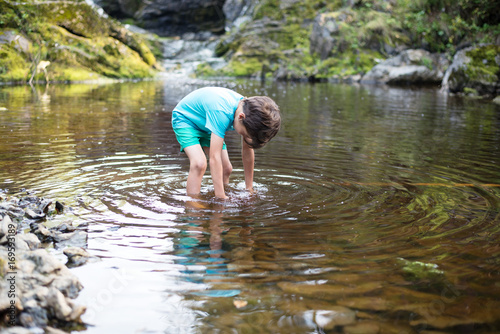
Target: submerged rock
x,y
409,67
328,290
328,319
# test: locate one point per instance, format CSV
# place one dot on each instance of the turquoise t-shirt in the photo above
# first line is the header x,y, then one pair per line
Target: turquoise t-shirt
x,y
209,109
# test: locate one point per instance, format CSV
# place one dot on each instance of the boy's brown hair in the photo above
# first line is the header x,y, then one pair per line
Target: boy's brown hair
x,y
262,120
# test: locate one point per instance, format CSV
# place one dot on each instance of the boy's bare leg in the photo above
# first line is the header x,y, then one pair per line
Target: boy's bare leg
x,y
227,167
197,168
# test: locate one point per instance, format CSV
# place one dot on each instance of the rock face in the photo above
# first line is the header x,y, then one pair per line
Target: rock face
x,y
171,18
476,69
409,67
323,35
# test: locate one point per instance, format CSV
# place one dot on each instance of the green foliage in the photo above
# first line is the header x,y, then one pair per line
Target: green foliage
x,y
441,25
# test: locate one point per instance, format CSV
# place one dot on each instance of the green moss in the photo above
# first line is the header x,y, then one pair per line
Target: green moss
x,y
243,67
13,65
74,74
483,65
349,63
205,70
470,91
419,270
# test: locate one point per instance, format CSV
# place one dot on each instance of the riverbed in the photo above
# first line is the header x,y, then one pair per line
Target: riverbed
x,y
376,209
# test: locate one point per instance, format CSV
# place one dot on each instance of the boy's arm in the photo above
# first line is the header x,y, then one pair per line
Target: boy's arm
x,y
248,157
216,143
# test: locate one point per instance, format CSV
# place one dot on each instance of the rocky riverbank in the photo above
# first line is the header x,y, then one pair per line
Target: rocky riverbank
x,y
37,289
353,41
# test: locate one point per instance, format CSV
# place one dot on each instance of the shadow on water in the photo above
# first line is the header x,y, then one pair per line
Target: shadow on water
x,y
376,209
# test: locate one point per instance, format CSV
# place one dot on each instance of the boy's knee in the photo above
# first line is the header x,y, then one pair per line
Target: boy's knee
x,y
228,169
199,165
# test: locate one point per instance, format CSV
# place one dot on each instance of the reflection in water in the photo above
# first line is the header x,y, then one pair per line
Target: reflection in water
x,y
376,209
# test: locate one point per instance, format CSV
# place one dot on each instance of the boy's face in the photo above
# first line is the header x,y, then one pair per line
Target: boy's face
x,y
238,123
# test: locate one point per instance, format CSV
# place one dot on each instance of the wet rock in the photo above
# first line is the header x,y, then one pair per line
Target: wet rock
x,y
443,313
73,239
44,205
59,207
62,308
43,233
366,303
4,225
409,67
27,242
51,330
76,256
31,214
328,290
474,68
328,319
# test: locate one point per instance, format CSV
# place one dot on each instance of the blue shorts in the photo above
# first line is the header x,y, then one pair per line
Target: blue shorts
x,y
189,137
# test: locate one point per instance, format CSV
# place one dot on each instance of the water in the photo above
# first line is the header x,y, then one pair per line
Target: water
x,y
376,209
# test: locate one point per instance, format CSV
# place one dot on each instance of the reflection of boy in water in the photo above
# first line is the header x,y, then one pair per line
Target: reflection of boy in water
x,y
202,118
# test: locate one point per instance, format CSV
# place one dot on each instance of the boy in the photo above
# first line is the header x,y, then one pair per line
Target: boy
x,y
200,121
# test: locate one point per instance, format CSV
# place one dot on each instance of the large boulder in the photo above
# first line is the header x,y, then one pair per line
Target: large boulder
x,y
475,69
409,67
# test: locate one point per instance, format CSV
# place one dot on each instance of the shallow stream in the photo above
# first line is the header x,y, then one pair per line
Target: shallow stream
x,y
377,210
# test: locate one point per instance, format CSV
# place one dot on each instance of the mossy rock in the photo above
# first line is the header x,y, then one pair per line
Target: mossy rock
x,y
475,69
77,42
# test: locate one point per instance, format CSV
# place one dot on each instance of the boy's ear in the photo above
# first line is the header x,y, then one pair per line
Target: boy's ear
x,y
241,116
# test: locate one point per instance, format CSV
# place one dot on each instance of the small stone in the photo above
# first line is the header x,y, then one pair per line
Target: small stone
x,y
68,284
34,215
52,330
76,256
4,225
42,232
74,239
59,207
57,302
27,241
44,205
328,319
